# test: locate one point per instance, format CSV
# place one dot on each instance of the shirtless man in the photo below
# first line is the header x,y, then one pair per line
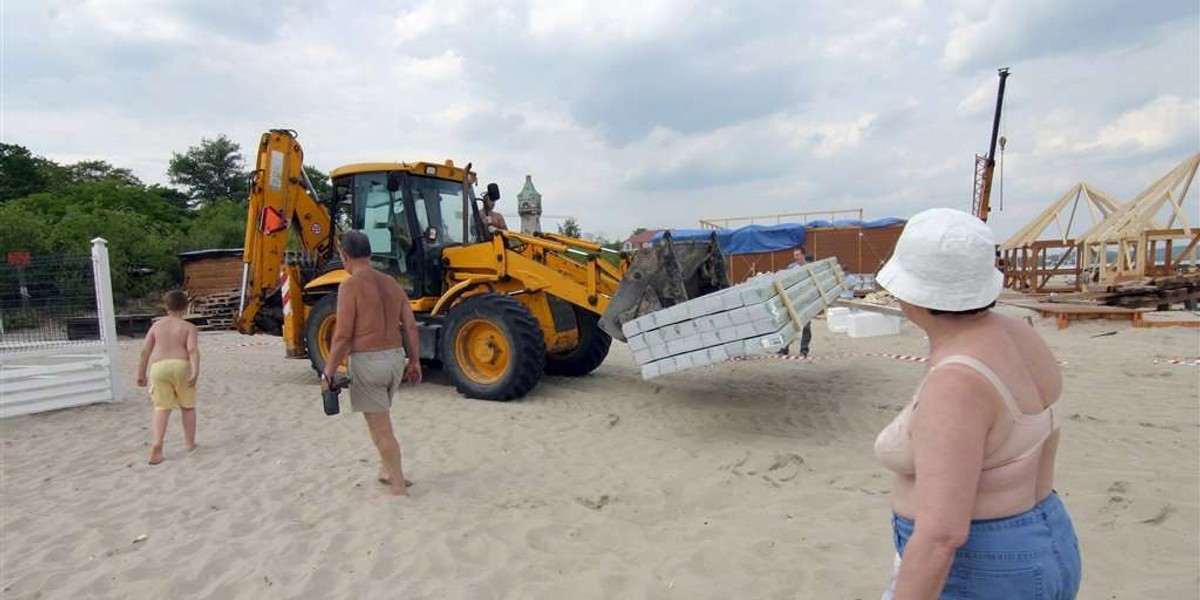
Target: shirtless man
x,y
491,218
376,329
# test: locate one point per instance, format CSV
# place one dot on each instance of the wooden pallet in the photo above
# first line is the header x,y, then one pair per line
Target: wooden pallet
x,y
1137,317
219,310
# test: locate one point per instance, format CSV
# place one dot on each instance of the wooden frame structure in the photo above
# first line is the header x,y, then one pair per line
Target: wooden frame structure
x,y
1135,233
1037,264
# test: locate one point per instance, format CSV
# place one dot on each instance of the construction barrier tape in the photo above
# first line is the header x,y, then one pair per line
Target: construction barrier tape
x,y
900,357
1184,362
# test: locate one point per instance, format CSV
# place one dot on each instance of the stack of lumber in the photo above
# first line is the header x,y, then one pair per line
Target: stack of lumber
x,y
1150,293
759,316
219,310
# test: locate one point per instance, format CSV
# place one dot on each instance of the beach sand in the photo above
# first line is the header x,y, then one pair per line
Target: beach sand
x,y
745,480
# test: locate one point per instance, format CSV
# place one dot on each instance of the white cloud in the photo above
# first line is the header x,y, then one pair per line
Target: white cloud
x,y
425,18
995,33
614,20
1158,124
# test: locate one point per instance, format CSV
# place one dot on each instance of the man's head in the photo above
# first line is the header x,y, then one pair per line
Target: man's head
x,y
355,245
175,301
491,196
800,255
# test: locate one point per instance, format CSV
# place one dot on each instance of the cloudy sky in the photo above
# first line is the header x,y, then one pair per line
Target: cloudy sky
x,y
631,112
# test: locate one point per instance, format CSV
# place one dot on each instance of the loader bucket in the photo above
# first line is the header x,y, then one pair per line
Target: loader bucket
x,y
663,275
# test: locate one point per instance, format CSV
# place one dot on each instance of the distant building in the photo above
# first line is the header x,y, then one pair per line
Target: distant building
x,y
639,240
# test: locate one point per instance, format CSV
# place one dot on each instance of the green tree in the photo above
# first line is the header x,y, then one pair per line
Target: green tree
x,y
93,171
320,182
570,228
20,174
211,171
217,225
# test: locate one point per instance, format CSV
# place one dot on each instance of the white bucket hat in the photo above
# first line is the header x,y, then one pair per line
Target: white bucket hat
x,y
945,259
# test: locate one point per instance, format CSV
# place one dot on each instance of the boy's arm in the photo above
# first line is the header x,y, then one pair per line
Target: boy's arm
x,y
147,348
193,350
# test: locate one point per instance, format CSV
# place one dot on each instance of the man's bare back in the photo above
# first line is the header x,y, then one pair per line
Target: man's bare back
x,y
375,304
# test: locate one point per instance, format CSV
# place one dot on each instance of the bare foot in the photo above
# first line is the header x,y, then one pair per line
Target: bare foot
x,y
399,490
191,446
387,480
156,454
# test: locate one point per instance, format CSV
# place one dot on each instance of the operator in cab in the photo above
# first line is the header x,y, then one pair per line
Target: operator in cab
x,y
491,218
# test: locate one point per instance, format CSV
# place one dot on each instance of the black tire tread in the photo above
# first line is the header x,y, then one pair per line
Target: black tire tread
x,y
528,346
327,304
589,355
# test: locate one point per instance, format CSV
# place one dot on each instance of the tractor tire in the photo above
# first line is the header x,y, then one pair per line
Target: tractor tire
x,y
493,348
318,331
588,354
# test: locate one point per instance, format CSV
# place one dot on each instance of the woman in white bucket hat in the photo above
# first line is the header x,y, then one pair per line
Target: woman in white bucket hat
x,y
975,512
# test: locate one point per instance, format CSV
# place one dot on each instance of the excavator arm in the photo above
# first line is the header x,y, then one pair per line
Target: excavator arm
x,y
282,201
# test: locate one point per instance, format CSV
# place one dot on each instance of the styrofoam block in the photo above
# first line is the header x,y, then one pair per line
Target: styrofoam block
x,y
836,319
637,342
870,324
642,356
650,371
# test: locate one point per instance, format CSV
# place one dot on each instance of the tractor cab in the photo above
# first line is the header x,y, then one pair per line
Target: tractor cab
x,y
410,212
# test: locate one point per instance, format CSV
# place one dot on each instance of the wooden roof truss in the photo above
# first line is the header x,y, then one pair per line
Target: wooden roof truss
x,y
1135,232
1037,263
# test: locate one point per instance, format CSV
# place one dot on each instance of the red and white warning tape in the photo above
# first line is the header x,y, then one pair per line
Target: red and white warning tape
x,y
1184,362
901,357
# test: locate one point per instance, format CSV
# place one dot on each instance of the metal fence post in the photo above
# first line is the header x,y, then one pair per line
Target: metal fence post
x,y
106,314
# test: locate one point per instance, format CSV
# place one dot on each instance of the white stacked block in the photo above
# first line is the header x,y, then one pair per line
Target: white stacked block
x,y
837,319
870,324
748,319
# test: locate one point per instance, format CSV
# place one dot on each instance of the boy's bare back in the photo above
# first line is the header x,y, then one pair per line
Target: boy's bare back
x,y
171,337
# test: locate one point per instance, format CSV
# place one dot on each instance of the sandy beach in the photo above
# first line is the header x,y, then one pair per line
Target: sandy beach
x,y
745,480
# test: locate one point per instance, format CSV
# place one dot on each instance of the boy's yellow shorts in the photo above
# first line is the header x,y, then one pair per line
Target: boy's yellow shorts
x,y
169,384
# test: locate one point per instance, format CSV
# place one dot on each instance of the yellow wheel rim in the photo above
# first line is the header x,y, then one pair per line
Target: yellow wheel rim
x,y
482,351
325,341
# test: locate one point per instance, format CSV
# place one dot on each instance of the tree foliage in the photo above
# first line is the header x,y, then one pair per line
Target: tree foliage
x,y
320,181
570,228
212,171
20,174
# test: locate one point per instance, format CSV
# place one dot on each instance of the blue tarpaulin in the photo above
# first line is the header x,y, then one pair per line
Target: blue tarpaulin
x,y
753,239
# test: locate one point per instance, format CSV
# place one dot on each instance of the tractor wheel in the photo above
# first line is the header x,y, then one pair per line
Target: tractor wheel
x,y
318,331
493,348
588,354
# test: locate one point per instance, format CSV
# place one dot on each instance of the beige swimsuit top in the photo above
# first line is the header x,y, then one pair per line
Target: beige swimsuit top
x,y
894,447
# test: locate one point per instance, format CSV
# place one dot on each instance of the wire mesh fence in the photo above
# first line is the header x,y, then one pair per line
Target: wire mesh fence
x,y
47,301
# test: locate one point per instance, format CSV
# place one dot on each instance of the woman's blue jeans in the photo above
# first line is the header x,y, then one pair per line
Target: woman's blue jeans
x,y
1033,555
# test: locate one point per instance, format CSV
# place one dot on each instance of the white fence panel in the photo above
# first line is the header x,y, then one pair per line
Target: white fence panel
x,y
42,377
37,382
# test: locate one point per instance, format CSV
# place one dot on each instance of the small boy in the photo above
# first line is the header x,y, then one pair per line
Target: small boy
x,y
173,355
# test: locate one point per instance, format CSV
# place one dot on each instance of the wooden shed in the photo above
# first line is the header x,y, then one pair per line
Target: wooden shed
x,y
208,272
213,279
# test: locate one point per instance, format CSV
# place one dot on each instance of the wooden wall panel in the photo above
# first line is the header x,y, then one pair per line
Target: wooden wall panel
x,y
858,251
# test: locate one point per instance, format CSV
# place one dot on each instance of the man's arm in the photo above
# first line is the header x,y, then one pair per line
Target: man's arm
x,y
411,340
343,330
499,220
147,348
193,350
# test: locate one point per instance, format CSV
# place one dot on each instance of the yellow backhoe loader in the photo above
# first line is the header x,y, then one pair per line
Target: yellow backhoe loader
x,y
497,309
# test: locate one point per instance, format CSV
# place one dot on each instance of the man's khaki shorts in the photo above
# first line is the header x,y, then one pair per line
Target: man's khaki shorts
x,y
374,378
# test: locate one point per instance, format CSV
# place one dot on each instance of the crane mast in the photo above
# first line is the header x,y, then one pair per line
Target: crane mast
x,y
985,166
